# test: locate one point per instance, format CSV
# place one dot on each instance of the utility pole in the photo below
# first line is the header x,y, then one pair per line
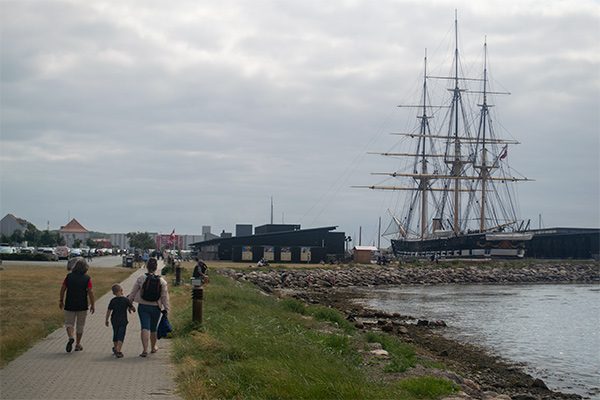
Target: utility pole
x,y
379,235
360,235
271,210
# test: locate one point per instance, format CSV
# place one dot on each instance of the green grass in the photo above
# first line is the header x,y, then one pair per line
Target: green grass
x,y
253,346
319,312
333,316
294,305
402,355
426,387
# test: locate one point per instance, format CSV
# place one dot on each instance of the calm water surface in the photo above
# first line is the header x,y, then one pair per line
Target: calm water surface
x,y
554,330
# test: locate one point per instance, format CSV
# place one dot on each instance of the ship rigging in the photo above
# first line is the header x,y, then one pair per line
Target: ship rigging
x,y
456,177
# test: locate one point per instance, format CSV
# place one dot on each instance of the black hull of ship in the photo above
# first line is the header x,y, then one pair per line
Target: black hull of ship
x,y
551,243
464,246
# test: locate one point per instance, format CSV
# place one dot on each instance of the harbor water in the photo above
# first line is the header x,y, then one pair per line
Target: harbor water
x,y
553,331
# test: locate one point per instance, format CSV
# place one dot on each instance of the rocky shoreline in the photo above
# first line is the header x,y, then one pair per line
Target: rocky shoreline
x,y
404,274
479,374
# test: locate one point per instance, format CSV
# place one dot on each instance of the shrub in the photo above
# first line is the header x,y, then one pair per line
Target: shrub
x,y
294,306
25,257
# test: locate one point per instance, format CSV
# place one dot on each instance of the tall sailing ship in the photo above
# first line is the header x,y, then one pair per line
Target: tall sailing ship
x,y
458,189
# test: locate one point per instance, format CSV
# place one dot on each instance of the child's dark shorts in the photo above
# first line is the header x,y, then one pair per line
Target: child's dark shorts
x,y
119,333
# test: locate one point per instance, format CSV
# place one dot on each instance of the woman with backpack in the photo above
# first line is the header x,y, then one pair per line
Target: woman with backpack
x,y
151,293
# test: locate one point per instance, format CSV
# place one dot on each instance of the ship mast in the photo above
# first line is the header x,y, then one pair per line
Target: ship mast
x,y
424,181
484,169
456,163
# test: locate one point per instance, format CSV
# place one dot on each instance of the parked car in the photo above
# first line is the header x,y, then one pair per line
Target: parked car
x,y
62,252
5,248
75,253
49,252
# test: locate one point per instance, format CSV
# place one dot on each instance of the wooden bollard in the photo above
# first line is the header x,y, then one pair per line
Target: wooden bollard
x,y
197,297
177,275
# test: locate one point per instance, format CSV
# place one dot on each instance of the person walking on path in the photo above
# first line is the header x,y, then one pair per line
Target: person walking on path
x,y
117,311
78,287
145,257
46,372
200,269
151,293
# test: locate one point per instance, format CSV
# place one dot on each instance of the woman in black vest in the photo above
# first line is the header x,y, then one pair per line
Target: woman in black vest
x,y
78,287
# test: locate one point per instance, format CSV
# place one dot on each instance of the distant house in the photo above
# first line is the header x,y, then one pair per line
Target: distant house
x,y
9,224
364,254
73,231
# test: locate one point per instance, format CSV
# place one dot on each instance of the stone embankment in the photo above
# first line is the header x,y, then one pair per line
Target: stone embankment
x,y
269,279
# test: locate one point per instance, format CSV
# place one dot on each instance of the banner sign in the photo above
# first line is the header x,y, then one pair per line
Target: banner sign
x,y
305,254
246,253
269,253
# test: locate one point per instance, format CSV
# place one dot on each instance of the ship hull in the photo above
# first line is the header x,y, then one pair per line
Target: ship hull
x,y
478,245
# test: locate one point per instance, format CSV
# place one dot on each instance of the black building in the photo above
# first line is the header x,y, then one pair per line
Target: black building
x,y
560,243
276,244
272,228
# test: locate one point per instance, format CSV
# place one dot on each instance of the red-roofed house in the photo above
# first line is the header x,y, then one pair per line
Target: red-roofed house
x,y
73,231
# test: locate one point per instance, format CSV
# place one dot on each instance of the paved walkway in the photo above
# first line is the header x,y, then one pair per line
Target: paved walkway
x,y
46,371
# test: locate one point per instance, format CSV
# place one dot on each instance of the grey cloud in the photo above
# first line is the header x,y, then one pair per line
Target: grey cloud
x,y
196,114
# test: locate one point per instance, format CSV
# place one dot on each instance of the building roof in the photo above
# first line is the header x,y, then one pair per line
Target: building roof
x,y
259,235
562,231
73,226
20,221
365,248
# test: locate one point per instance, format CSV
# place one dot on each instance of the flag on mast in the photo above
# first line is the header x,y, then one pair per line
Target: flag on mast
x,y
171,238
504,152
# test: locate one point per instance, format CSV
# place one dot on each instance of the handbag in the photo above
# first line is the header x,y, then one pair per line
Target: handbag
x,y
164,327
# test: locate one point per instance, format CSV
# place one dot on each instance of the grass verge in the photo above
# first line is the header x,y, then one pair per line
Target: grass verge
x,y
254,346
29,303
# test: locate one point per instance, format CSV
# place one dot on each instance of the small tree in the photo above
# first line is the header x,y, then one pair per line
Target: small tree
x,y
90,243
77,243
32,235
16,237
59,240
141,240
47,239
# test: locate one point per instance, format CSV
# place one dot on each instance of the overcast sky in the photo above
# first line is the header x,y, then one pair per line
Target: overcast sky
x,y
152,115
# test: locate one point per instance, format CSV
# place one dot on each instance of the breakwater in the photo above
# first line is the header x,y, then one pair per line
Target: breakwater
x,y
269,279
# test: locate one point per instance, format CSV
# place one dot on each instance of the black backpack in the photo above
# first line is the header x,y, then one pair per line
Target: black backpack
x,y
151,288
